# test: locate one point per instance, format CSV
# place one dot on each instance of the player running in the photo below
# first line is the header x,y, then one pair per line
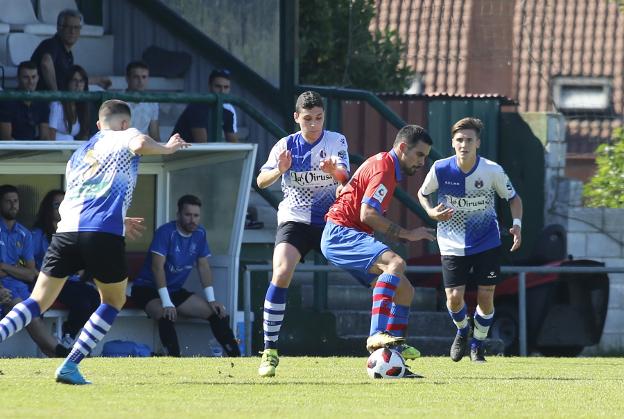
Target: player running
x,y
311,164
100,176
348,242
468,233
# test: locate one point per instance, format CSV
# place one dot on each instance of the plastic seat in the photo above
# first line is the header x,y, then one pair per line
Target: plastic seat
x,y
20,16
4,28
48,11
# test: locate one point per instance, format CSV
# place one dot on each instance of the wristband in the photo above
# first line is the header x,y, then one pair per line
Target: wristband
x,y
164,297
209,291
517,222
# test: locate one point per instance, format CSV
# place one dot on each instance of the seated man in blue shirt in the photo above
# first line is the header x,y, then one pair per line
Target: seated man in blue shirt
x,y
176,247
25,120
17,269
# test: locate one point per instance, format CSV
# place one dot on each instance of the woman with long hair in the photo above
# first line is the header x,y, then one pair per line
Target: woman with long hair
x,y
69,120
80,297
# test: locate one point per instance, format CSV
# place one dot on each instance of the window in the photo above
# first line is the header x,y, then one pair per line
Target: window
x,y
582,94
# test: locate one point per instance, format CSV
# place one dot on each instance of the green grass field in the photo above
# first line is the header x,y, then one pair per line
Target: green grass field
x,y
314,387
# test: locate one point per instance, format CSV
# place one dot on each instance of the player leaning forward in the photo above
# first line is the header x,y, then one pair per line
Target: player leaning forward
x,y
311,164
468,233
348,242
100,176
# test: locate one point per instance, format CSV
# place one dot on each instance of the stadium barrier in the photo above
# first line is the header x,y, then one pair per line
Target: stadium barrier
x,y
522,272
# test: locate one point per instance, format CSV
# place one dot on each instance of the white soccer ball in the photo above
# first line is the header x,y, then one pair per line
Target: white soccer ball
x,y
385,363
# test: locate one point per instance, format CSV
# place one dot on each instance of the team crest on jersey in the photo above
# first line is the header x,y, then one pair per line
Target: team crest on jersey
x,y
342,154
478,183
380,193
322,154
18,244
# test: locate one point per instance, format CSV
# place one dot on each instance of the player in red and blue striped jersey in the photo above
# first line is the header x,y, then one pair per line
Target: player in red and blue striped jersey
x,y
348,242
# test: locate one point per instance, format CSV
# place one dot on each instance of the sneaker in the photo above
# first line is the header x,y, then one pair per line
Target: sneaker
x,y
269,362
68,373
459,348
382,340
476,354
410,374
408,352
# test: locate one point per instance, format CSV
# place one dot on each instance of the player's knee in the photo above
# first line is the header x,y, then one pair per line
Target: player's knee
x,y
396,265
455,301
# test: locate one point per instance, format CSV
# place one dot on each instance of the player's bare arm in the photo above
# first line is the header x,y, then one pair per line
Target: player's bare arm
x,y
160,279
381,224
27,273
268,177
205,277
439,213
336,170
516,230
144,145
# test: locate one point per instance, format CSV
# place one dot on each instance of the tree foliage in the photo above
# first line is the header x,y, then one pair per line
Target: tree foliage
x,y
337,48
606,188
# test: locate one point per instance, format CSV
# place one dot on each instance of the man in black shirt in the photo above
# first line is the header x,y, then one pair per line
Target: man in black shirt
x,y
54,56
24,120
195,122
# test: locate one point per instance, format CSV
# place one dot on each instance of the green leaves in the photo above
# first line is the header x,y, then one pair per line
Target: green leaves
x,y
337,48
606,188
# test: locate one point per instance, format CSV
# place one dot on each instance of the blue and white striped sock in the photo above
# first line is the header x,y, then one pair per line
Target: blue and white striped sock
x,y
460,319
18,318
274,308
482,323
93,331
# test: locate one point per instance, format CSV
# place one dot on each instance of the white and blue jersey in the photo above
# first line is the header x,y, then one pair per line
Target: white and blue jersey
x,y
473,228
100,177
308,191
181,252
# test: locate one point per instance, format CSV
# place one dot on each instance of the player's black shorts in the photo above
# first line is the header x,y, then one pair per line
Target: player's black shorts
x,y
143,295
304,237
480,269
101,255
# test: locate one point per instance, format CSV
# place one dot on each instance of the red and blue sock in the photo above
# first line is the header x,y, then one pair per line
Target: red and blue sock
x,y
383,292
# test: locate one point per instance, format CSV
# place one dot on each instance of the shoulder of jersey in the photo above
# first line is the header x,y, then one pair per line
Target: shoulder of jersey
x,y
490,164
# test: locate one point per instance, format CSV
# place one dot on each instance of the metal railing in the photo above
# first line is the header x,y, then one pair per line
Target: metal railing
x,y
520,270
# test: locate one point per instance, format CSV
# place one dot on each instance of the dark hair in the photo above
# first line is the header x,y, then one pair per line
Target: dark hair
x,y
411,135
467,123
26,65
77,111
60,19
136,64
113,107
188,200
219,72
45,216
5,189
309,100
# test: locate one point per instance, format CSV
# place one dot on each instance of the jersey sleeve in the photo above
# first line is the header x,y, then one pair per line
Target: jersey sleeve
x,y
160,243
430,184
341,152
204,249
503,185
377,189
271,162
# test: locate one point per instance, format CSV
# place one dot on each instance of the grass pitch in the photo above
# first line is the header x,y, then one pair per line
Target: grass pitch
x,y
314,387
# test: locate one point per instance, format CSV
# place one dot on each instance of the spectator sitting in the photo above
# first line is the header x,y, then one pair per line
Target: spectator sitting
x,y
144,114
69,120
176,247
17,268
54,56
80,297
20,119
195,121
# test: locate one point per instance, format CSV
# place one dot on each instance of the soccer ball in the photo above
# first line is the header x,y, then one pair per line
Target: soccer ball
x,y
385,363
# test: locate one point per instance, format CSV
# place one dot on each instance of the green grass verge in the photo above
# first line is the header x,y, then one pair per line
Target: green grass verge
x,y
314,387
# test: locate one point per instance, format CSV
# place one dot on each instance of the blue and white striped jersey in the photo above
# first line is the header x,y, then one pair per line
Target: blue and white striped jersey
x,y
100,177
308,191
473,228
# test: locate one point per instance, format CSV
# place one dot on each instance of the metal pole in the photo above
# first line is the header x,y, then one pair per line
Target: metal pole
x,y
522,313
247,303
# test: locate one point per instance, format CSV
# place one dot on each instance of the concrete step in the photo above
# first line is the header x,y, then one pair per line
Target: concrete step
x,y
421,323
427,345
353,296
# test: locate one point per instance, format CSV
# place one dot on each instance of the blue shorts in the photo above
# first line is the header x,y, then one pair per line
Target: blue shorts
x,y
352,250
17,288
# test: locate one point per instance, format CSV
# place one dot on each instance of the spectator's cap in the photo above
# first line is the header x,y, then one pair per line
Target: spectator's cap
x,y
219,72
